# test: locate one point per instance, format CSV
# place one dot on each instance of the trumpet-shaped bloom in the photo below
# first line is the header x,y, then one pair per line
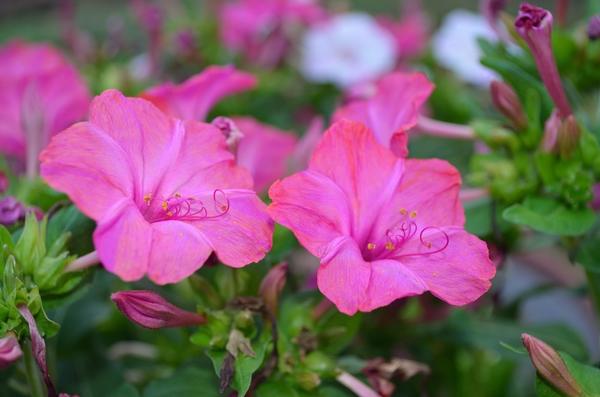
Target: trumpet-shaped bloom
x,y
193,99
383,227
265,151
260,29
40,94
392,110
165,193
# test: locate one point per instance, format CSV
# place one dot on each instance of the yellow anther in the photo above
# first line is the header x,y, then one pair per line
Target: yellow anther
x,y
371,246
413,214
165,205
169,213
148,198
403,211
428,244
389,246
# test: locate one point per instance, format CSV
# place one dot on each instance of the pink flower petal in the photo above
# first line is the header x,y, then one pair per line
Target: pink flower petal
x,y
123,240
460,273
343,276
243,234
264,151
346,155
393,109
178,250
313,207
193,99
90,167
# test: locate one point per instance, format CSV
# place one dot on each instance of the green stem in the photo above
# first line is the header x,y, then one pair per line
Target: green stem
x,y
593,281
33,374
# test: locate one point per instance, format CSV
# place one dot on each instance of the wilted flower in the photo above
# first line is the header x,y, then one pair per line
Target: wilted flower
x,y
193,99
40,95
261,29
551,366
383,227
10,351
165,193
150,310
534,25
392,110
460,30
348,49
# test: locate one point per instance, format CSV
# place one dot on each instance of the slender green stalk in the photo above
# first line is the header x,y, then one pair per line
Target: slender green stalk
x,y
33,374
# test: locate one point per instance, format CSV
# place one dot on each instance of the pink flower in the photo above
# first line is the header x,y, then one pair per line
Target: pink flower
x,y
411,32
150,310
165,192
193,99
40,95
383,227
393,110
265,151
260,29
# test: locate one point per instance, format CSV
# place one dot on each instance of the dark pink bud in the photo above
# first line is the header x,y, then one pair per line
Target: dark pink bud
x,y
568,136
10,351
272,285
551,366
38,348
11,210
491,10
593,29
506,101
151,310
596,201
534,25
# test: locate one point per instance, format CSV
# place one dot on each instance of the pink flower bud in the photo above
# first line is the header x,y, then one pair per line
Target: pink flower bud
x,y
150,310
10,351
4,182
568,136
534,25
272,285
506,101
551,132
11,210
593,29
551,366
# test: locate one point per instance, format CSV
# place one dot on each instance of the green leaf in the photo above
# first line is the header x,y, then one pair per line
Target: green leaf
x,y
244,366
549,216
588,255
188,382
586,376
337,330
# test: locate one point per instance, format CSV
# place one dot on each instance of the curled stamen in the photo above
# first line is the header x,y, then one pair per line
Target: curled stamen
x,y
178,207
428,244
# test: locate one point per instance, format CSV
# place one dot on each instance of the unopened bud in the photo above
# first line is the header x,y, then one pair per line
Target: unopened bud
x,y
232,133
272,285
307,380
4,182
593,29
551,366
10,351
506,101
151,310
534,25
568,136
551,132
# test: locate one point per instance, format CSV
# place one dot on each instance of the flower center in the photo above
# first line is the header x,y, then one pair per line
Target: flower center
x,y
395,242
178,207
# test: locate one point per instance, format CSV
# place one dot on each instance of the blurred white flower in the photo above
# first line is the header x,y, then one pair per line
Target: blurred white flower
x,y
346,50
455,46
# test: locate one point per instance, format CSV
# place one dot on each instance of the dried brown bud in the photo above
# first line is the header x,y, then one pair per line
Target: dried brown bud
x,y
506,101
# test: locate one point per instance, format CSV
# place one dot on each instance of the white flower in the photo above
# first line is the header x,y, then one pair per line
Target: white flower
x,y
346,50
455,46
